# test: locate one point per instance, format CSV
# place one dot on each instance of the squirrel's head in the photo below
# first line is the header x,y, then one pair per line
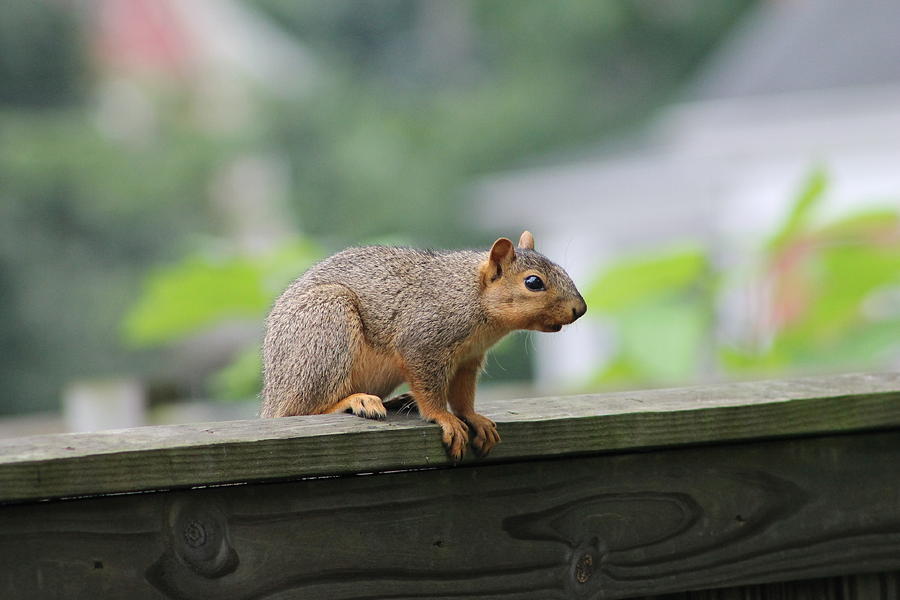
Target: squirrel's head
x,y
524,290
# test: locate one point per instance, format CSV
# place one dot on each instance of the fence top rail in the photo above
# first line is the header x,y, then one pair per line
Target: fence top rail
x,y
165,457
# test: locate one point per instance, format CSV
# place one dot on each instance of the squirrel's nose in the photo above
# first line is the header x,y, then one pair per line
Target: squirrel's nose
x,y
579,309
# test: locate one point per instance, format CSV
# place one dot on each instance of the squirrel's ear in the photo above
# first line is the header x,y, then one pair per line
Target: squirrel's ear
x,y
502,253
526,241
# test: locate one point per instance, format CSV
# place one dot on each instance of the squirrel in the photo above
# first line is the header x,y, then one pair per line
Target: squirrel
x,y
361,322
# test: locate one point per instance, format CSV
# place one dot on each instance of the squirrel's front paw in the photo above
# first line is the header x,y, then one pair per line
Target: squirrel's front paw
x,y
366,406
455,435
485,433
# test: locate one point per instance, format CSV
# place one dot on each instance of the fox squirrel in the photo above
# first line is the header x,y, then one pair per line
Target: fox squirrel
x,y
358,324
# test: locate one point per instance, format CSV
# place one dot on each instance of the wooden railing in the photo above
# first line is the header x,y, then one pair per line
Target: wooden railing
x,y
725,491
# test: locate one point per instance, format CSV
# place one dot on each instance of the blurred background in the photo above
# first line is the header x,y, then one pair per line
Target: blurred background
x,y
722,180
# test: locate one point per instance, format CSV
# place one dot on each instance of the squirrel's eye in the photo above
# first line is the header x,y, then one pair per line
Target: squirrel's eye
x,y
534,283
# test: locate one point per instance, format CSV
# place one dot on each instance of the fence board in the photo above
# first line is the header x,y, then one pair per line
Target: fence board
x,y
169,457
606,526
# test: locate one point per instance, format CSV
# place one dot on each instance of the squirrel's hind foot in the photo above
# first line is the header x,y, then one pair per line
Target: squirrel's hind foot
x,y
401,403
361,405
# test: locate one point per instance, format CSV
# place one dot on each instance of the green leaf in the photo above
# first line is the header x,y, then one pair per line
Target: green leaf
x,y
798,219
240,380
638,279
858,348
846,276
851,273
193,294
752,361
863,224
663,342
619,371
186,297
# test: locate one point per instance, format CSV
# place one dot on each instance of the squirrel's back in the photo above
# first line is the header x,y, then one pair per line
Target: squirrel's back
x,y
403,291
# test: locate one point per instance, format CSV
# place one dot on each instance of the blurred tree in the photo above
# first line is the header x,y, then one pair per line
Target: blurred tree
x,y
422,97
41,58
79,221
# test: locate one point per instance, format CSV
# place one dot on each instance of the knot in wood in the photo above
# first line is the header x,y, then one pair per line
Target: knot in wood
x,y
584,568
202,535
195,534
199,537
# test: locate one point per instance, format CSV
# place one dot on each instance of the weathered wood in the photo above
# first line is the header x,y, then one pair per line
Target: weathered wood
x,y
188,455
600,527
869,586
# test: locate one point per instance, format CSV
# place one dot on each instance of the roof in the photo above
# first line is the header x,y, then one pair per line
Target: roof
x,y
784,47
199,38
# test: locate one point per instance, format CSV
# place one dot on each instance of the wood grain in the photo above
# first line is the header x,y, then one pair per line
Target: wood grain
x,y
148,458
599,527
869,586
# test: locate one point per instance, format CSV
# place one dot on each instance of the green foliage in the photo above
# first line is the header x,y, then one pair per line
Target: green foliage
x,y
833,301
202,290
242,379
194,294
636,280
836,270
798,220
660,306
678,330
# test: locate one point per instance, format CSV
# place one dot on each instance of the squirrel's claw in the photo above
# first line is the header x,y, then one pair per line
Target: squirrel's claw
x,y
375,416
455,435
485,434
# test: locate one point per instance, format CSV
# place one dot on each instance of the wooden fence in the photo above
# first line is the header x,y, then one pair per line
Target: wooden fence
x,y
779,489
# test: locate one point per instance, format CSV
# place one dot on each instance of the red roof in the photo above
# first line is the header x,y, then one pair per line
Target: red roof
x,y
141,35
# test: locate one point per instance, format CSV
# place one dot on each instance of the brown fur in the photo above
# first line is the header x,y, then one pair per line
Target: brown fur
x,y
363,321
